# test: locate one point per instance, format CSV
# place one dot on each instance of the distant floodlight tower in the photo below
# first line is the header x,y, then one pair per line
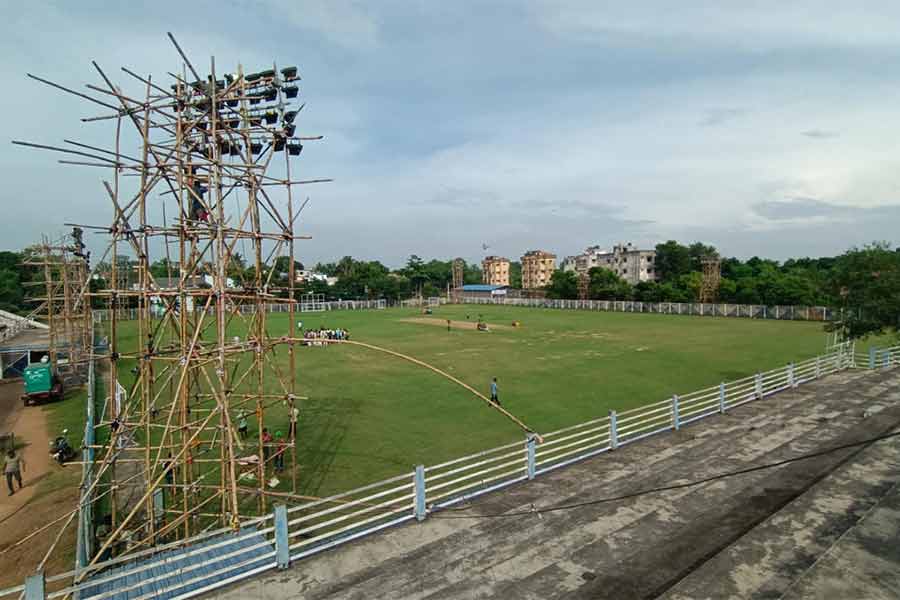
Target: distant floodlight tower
x,y
712,276
584,285
459,267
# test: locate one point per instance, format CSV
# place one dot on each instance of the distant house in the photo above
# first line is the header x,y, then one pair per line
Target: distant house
x,y
303,276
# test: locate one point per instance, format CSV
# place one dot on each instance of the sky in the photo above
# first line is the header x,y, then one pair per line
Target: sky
x,y
763,128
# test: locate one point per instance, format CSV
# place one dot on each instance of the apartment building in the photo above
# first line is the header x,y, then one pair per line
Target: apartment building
x,y
495,270
625,260
537,268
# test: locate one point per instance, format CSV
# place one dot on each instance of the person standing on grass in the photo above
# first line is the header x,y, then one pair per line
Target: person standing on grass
x,y
266,440
15,464
494,398
242,424
448,324
279,452
295,416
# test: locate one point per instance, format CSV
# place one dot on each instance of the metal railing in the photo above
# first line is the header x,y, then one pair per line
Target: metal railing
x,y
319,525
747,311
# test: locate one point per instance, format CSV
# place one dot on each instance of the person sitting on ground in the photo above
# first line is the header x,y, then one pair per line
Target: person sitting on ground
x,y
15,464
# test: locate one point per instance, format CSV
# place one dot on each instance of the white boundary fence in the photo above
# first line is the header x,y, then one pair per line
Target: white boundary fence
x,y
319,525
130,314
746,311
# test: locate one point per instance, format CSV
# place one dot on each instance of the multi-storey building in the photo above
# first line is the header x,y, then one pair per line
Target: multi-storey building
x,y
495,270
626,261
537,268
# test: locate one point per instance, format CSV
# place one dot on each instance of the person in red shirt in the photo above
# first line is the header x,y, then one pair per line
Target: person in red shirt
x,y
266,440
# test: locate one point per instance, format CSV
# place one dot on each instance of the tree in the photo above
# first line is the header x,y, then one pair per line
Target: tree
x,y
160,268
697,251
606,285
672,261
866,284
415,273
515,274
563,284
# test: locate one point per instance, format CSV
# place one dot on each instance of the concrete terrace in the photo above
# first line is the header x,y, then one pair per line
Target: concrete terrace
x,y
819,528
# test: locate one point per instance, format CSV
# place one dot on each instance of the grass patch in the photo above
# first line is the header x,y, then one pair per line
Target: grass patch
x,y
370,416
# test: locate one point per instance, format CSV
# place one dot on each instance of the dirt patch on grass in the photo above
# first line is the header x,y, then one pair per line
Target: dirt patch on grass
x,y
29,424
21,561
453,324
32,507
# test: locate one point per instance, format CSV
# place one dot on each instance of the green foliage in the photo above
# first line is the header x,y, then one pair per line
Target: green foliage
x,y
867,281
515,274
606,285
563,284
672,261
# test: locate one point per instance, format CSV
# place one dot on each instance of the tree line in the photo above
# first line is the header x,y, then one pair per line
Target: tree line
x,y
867,278
865,281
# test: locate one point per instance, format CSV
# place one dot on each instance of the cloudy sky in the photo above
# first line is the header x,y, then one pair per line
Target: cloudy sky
x,y
764,128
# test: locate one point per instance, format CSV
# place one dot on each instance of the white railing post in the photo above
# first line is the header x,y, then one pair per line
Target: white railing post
x,y
613,431
790,375
282,549
758,382
676,421
420,493
529,453
818,367
886,360
872,355
34,587
722,398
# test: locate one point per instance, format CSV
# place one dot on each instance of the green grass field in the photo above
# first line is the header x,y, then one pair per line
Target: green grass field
x,y
370,415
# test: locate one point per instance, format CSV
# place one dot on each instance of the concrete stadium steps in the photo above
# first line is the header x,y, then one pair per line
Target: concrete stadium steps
x,y
813,547
605,547
173,575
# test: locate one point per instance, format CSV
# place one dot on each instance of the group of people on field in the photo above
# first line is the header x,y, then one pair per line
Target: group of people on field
x,y
279,442
315,337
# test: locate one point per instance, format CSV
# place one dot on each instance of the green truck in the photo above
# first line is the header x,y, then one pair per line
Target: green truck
x,y
41,384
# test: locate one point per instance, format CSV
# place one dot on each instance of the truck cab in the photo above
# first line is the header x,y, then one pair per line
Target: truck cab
x,y
41,384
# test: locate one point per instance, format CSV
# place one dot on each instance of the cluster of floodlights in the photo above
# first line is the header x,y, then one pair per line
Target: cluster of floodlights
x,y
261,91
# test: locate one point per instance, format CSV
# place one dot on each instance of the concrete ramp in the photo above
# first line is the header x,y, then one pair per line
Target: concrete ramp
x,y
761,534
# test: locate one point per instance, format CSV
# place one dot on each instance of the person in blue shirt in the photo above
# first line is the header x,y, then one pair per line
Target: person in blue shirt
x,y
494,398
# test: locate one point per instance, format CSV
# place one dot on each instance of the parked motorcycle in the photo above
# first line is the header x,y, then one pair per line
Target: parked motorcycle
x,y
60,449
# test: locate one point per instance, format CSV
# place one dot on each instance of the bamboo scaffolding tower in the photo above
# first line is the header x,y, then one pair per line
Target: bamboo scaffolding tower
x,y
712,276
62,265
201,174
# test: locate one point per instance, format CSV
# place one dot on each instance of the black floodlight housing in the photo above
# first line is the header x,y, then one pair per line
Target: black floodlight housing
x,y
290,91
295,148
